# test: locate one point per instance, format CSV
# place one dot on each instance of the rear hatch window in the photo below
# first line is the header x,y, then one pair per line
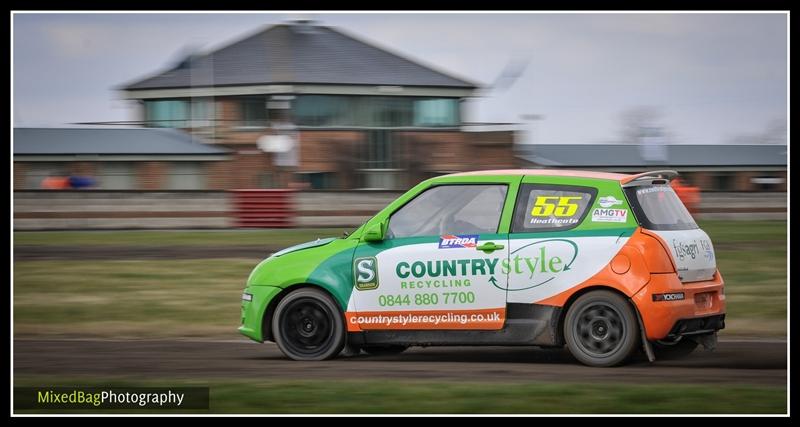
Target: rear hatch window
x,y
657,207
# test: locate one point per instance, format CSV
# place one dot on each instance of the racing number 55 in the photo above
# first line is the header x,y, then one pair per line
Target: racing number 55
x,y
545,206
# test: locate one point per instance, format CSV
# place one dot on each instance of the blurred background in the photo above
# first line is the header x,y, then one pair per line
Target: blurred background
x,y
164,155
143,108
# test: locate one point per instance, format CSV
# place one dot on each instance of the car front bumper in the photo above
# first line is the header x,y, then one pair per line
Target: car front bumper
x,y
252,314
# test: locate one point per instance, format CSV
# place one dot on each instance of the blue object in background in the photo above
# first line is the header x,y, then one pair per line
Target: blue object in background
x,y
81,181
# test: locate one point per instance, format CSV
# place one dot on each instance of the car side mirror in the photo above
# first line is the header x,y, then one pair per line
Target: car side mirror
x,y
374,233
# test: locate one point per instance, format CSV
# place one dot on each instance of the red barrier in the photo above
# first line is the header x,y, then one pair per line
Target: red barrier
x,y
263,208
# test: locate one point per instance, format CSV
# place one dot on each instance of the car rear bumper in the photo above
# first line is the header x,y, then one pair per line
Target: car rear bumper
x,y
697,326
670,308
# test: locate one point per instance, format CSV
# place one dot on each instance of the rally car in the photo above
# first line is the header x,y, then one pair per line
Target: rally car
x,y
606,264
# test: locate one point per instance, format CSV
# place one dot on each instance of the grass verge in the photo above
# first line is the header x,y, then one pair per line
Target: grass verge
x,y
165,298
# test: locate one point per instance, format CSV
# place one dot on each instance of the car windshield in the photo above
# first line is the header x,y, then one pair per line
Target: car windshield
x,y
658,208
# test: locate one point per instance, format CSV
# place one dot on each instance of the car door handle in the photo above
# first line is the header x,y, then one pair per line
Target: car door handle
x,y
489,247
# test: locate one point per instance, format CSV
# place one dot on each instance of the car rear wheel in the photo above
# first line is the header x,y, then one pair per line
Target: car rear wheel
x,y
307,325
601,329
384,350
671,350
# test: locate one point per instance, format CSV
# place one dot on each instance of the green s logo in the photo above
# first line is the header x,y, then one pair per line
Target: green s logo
x,y
366,273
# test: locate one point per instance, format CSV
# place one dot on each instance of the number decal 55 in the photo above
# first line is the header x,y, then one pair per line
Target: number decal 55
x,y
554,205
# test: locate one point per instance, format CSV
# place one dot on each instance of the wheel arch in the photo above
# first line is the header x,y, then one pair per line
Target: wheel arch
x,y
266,320
574,297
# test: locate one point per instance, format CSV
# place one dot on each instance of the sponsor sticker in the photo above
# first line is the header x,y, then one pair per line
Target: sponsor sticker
x,y
609,201
609,215
673,296
366,273
707,250
654,189
685,250
451,241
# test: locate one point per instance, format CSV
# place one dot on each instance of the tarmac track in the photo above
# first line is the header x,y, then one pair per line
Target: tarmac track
x,y
755,362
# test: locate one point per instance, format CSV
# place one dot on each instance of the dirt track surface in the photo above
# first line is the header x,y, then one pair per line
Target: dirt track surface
x,y
733,362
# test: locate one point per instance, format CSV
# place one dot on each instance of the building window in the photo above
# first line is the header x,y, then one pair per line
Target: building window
x,y
723,181
436,112
116,176
323,110
377,167
253,111
377,152
203,114
374,111
319,180
35,173
767,182
166,113
385,111
186,176
179,113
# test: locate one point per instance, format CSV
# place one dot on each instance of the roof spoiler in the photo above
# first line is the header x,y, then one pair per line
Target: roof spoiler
x,y
669,175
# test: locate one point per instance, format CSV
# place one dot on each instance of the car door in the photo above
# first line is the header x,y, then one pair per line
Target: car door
x,y
439,265
554,244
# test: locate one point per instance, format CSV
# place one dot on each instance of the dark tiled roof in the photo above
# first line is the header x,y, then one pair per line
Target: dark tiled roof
x,y
299,54
109,141
624,155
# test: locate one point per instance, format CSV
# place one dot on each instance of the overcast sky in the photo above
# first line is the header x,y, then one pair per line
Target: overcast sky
x,y
712,77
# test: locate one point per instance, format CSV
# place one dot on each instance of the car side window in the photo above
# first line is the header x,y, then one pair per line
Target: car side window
x,y
450,209
548,207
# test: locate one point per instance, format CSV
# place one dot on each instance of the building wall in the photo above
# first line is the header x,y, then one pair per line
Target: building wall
x,y
328,150
220,175
431,151
150,175
336,156
83,168
492,150
739,181
20,169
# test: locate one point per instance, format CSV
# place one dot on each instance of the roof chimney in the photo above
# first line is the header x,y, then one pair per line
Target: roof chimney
x,y
303,26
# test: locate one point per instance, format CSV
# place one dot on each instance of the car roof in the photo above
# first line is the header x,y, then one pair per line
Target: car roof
x,y
549,172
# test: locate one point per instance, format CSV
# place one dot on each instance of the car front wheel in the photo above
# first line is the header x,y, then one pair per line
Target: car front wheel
x,y
307,325
601,329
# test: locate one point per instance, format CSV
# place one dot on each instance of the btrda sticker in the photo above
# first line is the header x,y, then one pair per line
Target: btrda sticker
x,y
366,273
450,241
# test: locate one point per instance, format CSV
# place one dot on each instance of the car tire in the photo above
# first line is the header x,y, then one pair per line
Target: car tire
x,y
601,329
308,325
384,350
673,350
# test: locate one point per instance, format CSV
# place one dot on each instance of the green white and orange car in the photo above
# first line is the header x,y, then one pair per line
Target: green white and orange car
x,y
607,264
